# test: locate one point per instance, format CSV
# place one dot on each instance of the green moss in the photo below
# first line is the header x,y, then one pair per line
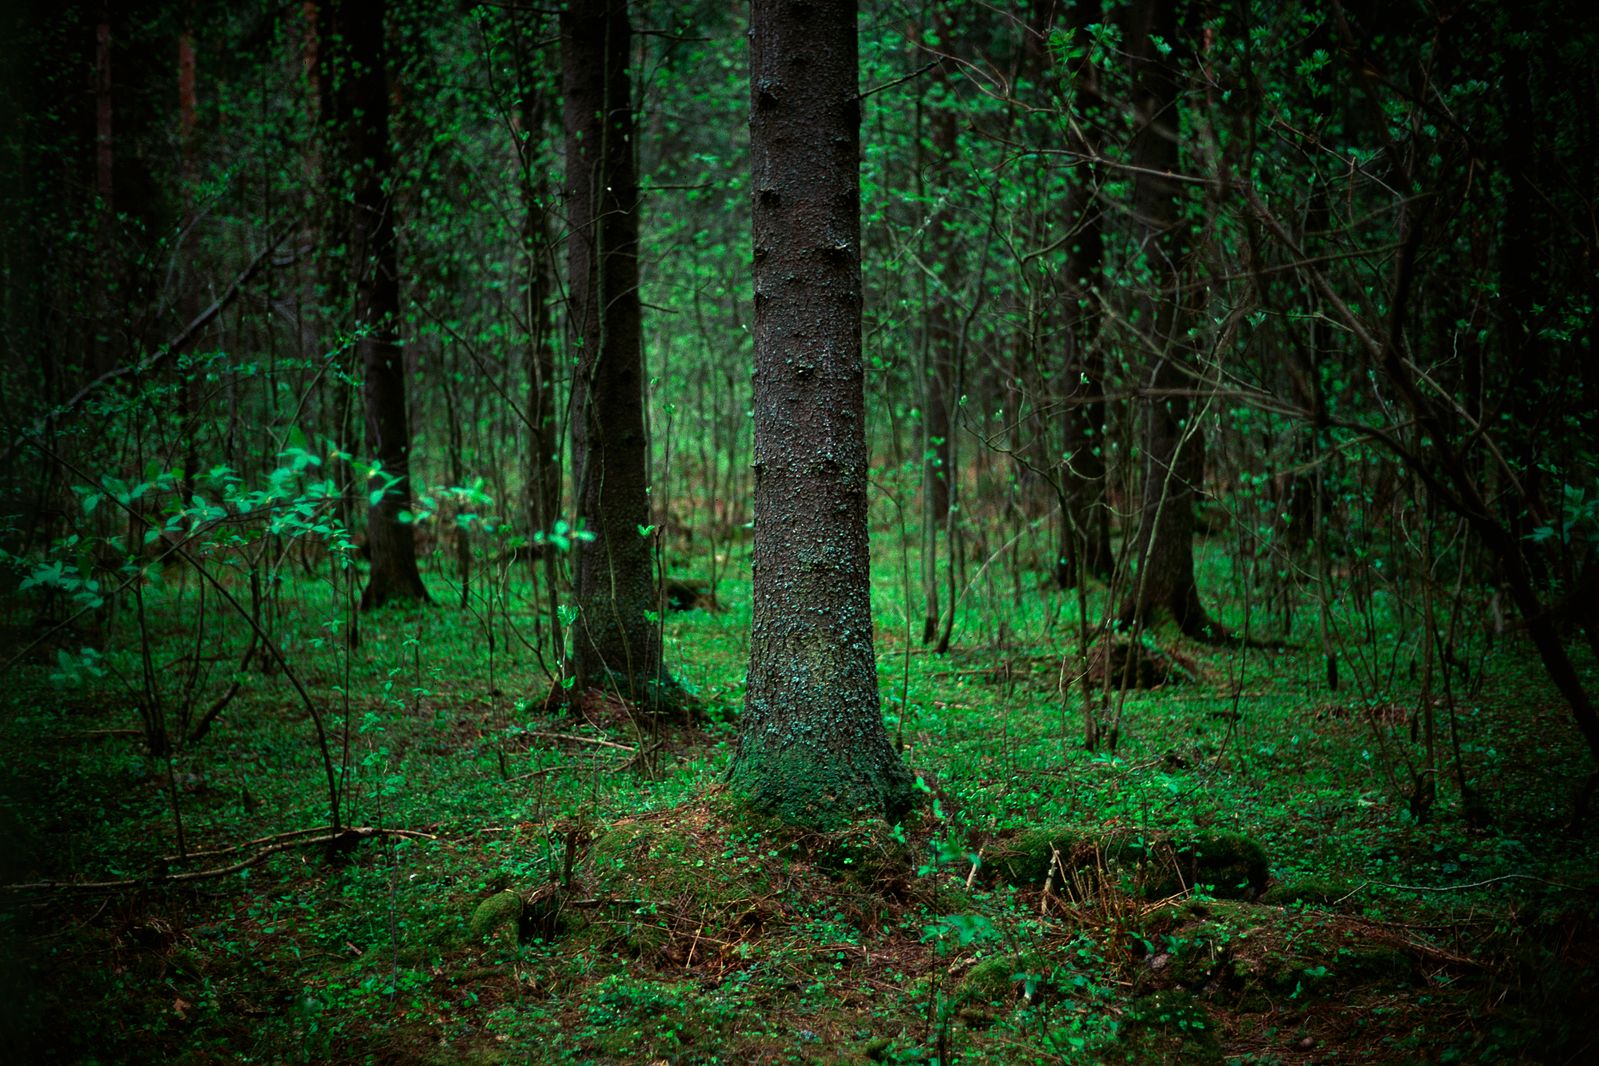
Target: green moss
x,y
1003,978
1168,1026
672,883
1372,962
1228,865
1316,891
1025,858
806,784
499,910
662,863
865,854
877,1049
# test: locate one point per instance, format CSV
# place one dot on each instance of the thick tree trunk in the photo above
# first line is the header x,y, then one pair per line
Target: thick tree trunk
x,y
617,633
1173,447
363,105
1085,517
812,747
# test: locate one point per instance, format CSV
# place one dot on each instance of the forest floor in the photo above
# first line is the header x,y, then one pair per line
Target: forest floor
x,y
1250,876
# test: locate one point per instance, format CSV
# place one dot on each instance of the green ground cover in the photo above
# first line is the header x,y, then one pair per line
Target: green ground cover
x,y
1244,879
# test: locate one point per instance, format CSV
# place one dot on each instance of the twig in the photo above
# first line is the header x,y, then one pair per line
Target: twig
x,y
352,834
582,740
1457,888
540,772
918,72
277,838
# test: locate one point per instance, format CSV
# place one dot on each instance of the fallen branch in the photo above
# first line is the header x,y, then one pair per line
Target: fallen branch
x,y
582,740
1455,888
348,836
274,838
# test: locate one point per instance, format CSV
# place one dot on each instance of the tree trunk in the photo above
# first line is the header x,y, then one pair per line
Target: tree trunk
x,y
102,358
812,748
617,633
1085,517
939,340
543,492
1173,447
362,99
189,301
542,468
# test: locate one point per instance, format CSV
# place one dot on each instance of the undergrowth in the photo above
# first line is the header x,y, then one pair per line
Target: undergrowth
x,y
1246,877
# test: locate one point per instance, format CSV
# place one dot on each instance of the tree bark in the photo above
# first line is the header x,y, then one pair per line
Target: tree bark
x,y
812,748
102,344
940,338
543,491
1085,517
616,636
1173,446
362,101
542,459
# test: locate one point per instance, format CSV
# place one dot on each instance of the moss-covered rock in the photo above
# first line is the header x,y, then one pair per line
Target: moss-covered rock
x,y
1167,1026
1312,891
671,886
1025,858
497,912
1003,979
1227,865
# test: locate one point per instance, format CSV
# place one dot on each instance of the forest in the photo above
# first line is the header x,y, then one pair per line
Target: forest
x,y
814,531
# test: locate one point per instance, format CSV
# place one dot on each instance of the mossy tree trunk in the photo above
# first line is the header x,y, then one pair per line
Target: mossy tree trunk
x,y
1173,444
812,748
359,86
616,637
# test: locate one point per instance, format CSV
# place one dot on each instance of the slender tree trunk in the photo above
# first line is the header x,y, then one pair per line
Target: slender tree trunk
x,y
1085,517
188,112
362,100
1173,446
543,467
104,186
939,338
617,632
812,747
